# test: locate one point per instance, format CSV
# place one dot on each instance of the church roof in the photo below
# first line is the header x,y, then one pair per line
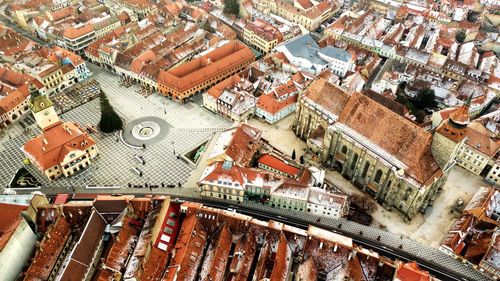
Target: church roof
x,y
327,95
395,134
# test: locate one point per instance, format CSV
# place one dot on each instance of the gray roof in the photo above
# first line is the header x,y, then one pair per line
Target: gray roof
x,y
305,47
336,53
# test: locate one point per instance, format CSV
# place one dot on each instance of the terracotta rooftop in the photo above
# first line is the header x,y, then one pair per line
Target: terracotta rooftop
x,y
395,134
282,260
50,148
50,250
393,105
478,137
218,88
77,32
234,174
123,244
200,69
328,96
80,259
12,100
271,105
278,164
188,250
411,271
243,145
9,220
217,256
265,30
241,263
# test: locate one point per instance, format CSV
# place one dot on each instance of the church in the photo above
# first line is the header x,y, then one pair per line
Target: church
x,y
389,157
63,148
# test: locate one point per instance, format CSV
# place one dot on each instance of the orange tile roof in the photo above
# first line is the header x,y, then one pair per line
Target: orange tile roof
x,y
195,72
278,164
12,100
217,89
265,30
61,139
272,105
306,4
74,33
244,144
234,174
282,260
62,13
327,95
400,137
58,52
411,272
188,250
9,220
49,251
216,265
479,139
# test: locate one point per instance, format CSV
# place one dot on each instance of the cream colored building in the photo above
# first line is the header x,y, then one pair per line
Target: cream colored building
x,y
479,150
307,13
493,175
223,180
63,148
262,36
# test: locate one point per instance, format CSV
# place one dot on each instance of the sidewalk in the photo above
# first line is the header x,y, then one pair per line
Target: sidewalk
x,y
428,228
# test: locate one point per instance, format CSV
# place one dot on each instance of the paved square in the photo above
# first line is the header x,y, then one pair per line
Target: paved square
x,y
191,126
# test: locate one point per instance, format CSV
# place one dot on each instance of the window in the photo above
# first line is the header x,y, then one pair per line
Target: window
x,y
354,160
344,149
378,176
365,170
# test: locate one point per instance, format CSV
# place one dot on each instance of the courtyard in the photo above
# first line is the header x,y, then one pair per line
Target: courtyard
x,y
428,228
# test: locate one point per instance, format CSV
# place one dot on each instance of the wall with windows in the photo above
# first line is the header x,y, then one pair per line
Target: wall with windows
x,y
493,175
471,159
376,176
222,190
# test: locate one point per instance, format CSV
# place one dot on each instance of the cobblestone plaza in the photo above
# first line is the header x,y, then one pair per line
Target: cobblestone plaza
x,y
119,163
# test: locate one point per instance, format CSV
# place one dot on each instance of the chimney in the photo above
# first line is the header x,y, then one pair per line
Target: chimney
x,y
45,141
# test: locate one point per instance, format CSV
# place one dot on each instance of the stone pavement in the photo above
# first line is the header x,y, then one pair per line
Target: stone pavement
x,y
428,228
131,104
280,135
189,125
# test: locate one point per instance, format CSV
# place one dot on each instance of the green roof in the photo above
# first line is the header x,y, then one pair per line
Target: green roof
x,y
40,103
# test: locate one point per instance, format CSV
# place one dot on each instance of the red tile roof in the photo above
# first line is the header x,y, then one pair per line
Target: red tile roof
x,y
216,265
77,32
50,250
278,164
60,140
234,174
195,72
9,220
243,144
269,104
411,272
12,100
188,250
395,134
327,95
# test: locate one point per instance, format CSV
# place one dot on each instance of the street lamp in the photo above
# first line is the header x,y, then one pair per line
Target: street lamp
x,y
173,147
